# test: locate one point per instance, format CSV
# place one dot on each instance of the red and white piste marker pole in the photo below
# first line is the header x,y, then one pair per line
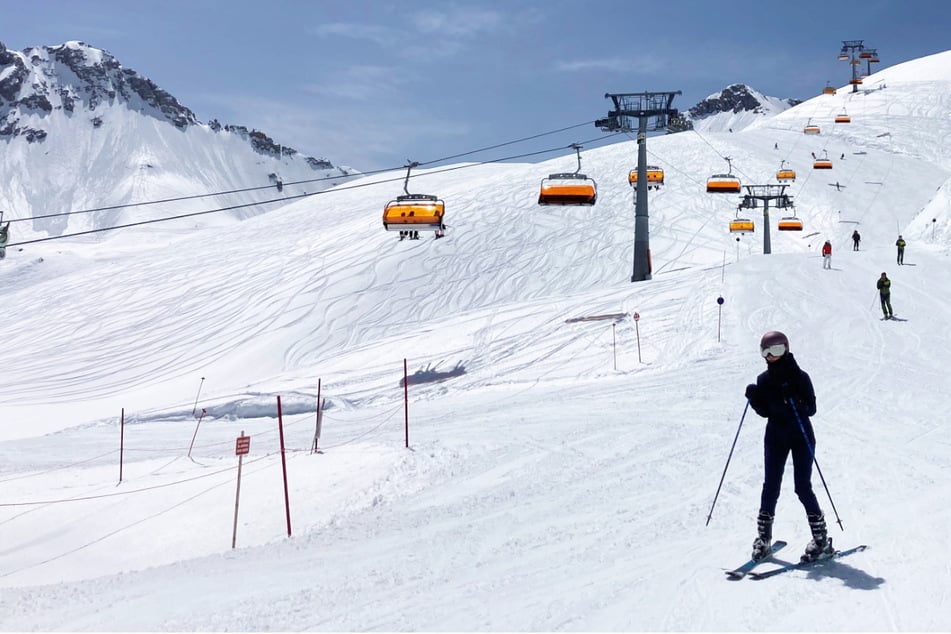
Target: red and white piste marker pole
x,y
242,446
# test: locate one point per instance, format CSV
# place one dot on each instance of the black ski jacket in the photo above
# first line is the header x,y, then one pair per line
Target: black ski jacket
x,y
782,380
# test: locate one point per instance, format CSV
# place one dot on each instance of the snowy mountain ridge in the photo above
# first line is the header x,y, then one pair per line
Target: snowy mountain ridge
x,y
75,108
734,108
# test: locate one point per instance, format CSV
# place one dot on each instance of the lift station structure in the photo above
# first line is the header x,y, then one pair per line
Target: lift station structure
x,y
853,52
767,194
653,111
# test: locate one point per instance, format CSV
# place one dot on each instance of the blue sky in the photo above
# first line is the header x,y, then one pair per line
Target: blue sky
x,y
372,84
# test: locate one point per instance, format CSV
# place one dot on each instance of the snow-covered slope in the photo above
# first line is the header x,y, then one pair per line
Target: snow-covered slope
x,y
562,475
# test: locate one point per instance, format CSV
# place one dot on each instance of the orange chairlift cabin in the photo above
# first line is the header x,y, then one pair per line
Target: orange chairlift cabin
x,y
785,174
724,183
828,90
789,222
843,117
414,212
740,224
568,188
810,128
823,162
655,177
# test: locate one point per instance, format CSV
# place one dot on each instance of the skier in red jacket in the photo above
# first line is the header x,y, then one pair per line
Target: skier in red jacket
x,y
827,255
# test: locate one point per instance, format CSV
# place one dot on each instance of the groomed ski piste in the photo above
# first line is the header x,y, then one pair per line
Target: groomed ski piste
x,y
543,489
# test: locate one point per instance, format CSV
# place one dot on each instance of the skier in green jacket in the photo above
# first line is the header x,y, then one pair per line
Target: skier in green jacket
x,y
885,294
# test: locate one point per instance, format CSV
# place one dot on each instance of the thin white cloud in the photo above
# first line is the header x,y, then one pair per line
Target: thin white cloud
x,y
459,22
381,35
616,64
358,83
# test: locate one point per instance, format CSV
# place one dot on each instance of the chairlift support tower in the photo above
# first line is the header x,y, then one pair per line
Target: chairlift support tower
x,y
653,112
871,57
848,52
766,193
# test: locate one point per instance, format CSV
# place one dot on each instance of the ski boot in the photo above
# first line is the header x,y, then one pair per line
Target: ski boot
x,y
820,546
764,540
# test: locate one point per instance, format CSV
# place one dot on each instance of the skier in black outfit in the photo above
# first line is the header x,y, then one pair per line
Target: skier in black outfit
x,y
781,394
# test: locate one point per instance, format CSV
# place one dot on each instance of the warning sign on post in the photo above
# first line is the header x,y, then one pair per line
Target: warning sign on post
x,y
242,445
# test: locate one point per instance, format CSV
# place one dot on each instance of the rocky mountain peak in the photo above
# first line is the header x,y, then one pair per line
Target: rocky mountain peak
x,y
75,76
735,99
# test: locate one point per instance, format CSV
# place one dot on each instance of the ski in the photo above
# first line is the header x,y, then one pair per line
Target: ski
x,y
805,565
742,571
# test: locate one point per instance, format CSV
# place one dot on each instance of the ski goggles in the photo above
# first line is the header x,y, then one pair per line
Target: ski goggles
x,y
777,350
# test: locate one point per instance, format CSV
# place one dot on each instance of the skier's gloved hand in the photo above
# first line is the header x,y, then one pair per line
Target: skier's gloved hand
x,y
751,391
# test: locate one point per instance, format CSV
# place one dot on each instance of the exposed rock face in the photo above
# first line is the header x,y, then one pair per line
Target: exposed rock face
x,y
75,76
735,98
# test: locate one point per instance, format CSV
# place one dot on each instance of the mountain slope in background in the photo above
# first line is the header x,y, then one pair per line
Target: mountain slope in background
x,y
75,122
734,108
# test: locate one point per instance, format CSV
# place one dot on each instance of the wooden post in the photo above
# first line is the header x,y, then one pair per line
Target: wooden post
x,y
121,442
197,425
242,446
313,448
287,501
195,406
614,343
637,332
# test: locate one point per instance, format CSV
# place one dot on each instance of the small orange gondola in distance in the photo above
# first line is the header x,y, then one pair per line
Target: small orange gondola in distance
x,y
724,183
843,117
790,223
811,128
785,174
828,90
741,225
823,162
655,177
568,188
414,212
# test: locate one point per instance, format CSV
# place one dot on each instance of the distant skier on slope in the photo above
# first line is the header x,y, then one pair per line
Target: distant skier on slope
x,y
856,238
784,395
827,255
884,286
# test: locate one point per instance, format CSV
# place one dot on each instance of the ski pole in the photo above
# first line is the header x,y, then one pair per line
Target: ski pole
x,y
726,466
812,452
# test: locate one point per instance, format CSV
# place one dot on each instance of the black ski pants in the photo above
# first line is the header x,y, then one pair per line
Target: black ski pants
x,y
776,453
